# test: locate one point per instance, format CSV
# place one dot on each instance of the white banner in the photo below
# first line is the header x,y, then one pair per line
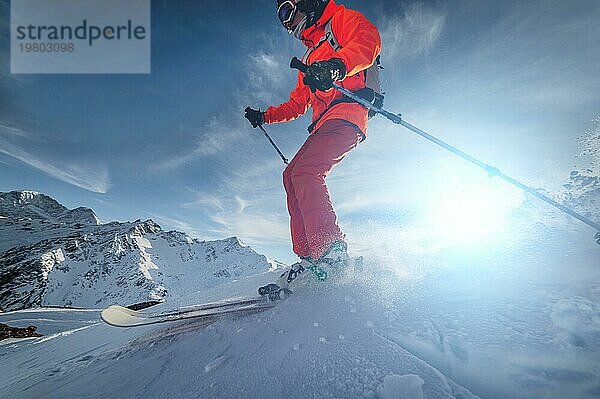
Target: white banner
x,y
80,36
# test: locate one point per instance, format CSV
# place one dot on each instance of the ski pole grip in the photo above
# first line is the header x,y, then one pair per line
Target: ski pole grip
x,y
299,65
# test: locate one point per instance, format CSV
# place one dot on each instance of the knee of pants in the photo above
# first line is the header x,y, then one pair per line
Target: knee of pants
x,y
287,175
301,176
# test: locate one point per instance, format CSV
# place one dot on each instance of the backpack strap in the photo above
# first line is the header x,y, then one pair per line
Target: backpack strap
x,y
327,37
330,37
372,92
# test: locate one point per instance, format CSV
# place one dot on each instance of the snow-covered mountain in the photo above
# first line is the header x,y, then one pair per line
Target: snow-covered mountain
x,y
54,256
27,217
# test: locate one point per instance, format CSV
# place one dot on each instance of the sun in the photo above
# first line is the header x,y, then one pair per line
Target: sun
x,y
469,206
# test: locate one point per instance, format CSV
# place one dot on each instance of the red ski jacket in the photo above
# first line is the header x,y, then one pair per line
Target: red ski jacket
x,y
360,46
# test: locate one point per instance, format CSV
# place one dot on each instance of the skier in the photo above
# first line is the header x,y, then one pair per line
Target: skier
x,y
342,45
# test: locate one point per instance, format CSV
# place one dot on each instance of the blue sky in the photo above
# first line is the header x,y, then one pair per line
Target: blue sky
x,y
514,83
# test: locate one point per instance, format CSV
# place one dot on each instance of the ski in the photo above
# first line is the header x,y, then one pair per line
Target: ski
x,y
120,316
207,306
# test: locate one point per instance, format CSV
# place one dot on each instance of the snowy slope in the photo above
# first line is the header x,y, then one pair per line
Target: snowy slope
x,y
517,316
518,322
308,347
86,264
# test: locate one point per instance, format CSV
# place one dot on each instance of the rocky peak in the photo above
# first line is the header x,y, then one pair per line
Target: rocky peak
x,y
145,227
27,217
17,201
33,205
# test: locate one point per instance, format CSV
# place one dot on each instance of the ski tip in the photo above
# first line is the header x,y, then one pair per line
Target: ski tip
x,y
120,316
123,309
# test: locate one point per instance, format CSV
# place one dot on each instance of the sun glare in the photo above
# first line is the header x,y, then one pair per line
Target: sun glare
x,y
470,207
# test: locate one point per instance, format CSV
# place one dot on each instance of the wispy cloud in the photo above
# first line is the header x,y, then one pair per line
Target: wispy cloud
x,y
268,76
203,200
412,33
13,131
95,179
248,202
215,138
519,59
229,215
253,228
254,219
195,231
264,76
267,79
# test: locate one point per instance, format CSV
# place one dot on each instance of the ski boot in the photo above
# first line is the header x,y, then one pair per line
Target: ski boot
x,y
274,292
288,281
335,259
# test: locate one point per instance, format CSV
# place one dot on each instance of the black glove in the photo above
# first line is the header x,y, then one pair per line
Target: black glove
x,y
320,75
255,117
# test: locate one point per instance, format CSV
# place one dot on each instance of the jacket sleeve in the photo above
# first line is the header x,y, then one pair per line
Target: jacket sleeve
x,y
360,41
295,107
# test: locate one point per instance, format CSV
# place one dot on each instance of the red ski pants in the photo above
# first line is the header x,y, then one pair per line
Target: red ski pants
x,y
313,221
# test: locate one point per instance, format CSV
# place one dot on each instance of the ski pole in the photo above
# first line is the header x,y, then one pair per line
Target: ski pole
x,y
285,160
491,170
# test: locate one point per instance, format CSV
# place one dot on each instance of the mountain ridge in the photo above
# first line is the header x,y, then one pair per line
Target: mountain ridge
x,y
61,261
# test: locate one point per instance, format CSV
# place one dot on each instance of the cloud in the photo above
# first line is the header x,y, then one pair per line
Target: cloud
x,y
12,131
267,80
264,76
203,200
242,203
234,209
230,215
168,222
95,179
268,76
408,35
518,59
256,228
217,137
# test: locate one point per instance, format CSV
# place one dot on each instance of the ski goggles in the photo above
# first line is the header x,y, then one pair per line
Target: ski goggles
x,y
286,12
